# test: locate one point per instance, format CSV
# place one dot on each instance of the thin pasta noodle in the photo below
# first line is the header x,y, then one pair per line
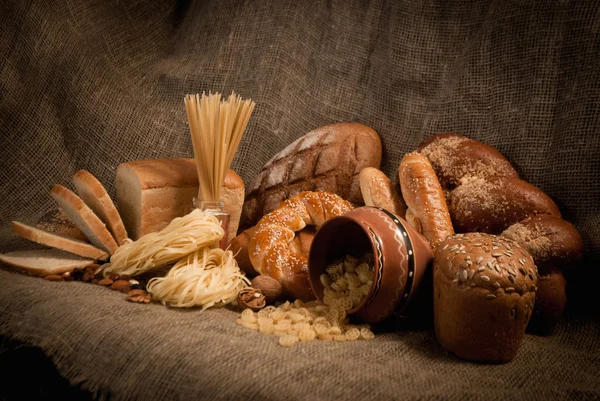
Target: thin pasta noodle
x,y
183,236
208,277
216,128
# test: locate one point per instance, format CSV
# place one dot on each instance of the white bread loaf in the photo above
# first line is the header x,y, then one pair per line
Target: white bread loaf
x,y
151,193
44,262
95,196
58,241
85,219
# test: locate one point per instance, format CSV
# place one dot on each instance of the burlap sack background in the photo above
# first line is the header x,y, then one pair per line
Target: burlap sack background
x,y
90,84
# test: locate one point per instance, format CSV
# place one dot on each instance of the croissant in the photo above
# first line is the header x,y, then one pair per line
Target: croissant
x,y
269,249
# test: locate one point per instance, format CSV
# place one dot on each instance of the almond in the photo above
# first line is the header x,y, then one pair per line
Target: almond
x,y
105,282
54,277
120,285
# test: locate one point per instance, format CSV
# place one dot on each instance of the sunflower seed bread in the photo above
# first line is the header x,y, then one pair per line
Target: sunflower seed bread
x,y
328,158
484,293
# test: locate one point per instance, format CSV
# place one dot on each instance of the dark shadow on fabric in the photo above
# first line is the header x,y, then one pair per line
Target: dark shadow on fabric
x,y
28,374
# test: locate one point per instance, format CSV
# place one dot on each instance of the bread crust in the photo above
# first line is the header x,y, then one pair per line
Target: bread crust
x,y
551,241
454,157
93,193
269,248
85,219
484,293
493,204
328,159
167,188
32,261
425,199
377,190
58,241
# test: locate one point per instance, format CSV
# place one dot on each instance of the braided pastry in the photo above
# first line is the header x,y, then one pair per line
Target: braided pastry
x,y
269,249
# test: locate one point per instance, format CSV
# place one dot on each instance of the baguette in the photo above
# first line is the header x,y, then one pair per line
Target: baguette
x,y
377,190
427,209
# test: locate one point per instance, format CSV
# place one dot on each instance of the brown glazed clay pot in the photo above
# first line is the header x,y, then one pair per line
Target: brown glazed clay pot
x,y
401,258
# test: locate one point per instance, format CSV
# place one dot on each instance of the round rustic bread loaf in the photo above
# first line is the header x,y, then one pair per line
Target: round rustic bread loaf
x,y
484,293
328,159
550,302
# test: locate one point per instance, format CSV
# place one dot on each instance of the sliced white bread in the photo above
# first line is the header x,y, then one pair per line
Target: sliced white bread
x,y
44,262
151,193
95,196
85,219
58,241
56,221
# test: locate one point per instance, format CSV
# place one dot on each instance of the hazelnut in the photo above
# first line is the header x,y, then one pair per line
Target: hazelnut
x,y
268,286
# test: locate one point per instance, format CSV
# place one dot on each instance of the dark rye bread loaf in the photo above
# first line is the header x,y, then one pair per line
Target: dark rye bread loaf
x,y
492,204
454,157
328,158
484,293
552,241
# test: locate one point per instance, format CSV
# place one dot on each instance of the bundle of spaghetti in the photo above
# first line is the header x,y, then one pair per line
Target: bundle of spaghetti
x,y
216,128
180,238
208,277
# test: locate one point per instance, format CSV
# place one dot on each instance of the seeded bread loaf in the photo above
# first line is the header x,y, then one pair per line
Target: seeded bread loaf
x,y
328,159
151,193
484,293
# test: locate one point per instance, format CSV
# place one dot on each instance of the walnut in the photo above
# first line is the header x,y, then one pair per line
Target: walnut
x,y
140,296
251,298
268,286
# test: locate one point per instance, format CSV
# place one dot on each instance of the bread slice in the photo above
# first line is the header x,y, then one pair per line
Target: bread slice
x,y
56,221
58,241
95,196
45,262
85,219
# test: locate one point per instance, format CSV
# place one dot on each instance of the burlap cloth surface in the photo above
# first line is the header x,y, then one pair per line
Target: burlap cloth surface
x,y
90,84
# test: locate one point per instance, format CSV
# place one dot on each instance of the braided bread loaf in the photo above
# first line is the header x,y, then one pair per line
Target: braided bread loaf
x,y
269,249
484,193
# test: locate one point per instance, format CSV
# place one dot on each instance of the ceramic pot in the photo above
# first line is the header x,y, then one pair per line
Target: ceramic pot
x,y
401,257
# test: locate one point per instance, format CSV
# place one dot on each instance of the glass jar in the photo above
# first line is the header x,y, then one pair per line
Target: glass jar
x,y
216,208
